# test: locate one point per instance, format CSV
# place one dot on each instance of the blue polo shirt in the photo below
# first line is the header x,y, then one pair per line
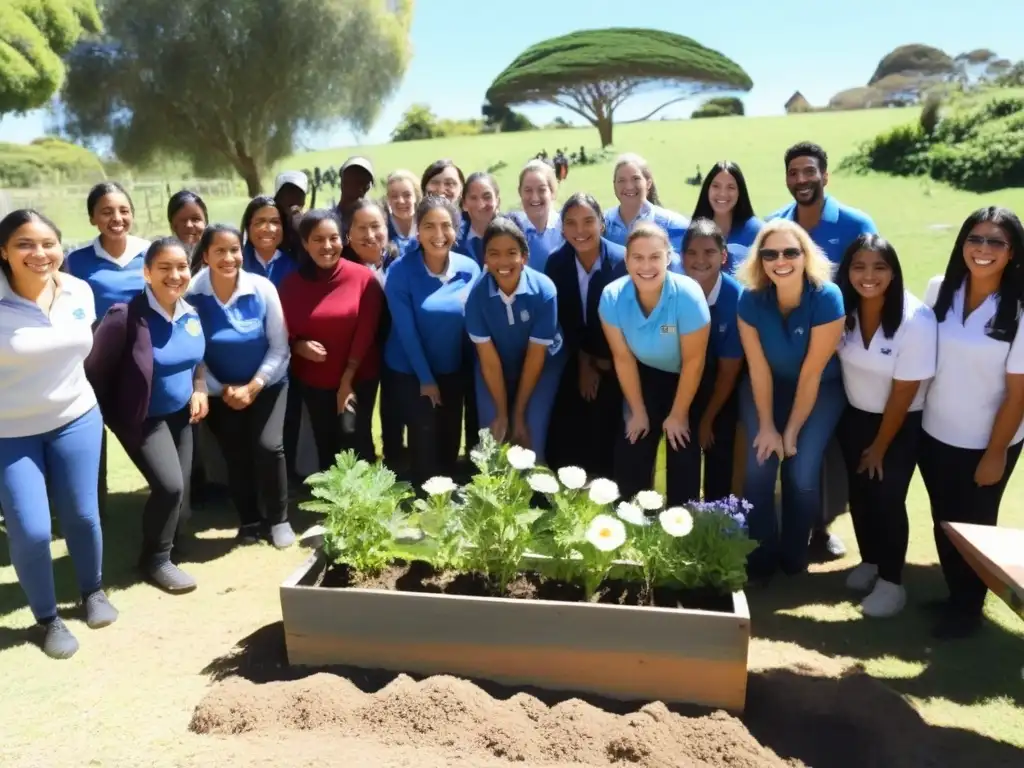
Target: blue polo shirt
x,y
113,280
404,244
178,347
785,340
840,225
654,339
738,243
512,323
724,341
428,325
675,224
277,269
542,244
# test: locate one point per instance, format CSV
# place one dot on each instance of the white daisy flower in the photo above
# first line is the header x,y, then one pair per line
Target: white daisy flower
x,y
521,458
543,483
606,533
677,521
650,500
572,478
631,513
438,486
603,491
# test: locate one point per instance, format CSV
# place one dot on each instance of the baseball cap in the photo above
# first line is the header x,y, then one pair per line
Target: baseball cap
x,y
358,162
296,178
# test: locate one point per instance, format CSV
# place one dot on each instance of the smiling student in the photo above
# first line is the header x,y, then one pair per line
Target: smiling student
x,y
263,232
403,195
246,361
974,412
888,355
145,367
512,317
481,200
657,326
791,320
425,352
725,200
539,220
587,418
715,407
638,201
188,217
50,427
445,179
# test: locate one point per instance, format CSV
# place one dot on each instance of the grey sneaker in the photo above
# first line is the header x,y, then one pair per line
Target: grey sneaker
x,y
58,642
282,536
170,578
99,612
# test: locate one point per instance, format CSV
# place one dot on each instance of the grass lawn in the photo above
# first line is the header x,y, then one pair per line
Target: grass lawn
x,y
127,697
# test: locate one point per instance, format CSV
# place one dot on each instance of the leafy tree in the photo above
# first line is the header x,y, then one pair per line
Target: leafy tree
x,y
34,35
229,84
418,122
593,72
504,120
723,106
914,58
1013,77
861,97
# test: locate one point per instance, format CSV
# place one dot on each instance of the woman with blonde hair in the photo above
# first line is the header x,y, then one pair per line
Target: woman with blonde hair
x,y
791,320
638,201
539,220
400,201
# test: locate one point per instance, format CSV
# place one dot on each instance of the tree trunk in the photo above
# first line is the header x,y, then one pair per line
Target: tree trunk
x,y
250,172
604,129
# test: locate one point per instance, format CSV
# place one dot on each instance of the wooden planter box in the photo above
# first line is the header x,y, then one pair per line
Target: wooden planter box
x,y
621,652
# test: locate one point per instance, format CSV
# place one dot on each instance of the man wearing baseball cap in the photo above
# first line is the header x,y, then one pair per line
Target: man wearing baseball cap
x,y
356,182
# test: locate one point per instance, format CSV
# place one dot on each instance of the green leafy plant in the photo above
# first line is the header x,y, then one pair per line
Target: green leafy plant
x,y
364,518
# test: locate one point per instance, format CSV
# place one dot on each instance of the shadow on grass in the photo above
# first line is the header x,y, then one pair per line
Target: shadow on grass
x,y
964,671
853,721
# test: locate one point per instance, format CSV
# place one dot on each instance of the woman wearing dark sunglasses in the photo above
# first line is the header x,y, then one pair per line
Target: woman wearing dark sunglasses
x,y
790,320
974,413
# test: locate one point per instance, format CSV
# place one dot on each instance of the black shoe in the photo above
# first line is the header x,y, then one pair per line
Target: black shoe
x,y
956,625
99,612
249,534
58,642
170,578
827,544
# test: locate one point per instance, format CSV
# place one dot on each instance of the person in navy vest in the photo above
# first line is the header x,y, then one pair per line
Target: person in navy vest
x,y
146,369
402,197
587,418
724,199
50,426
425,352
715,408
638,201
264,240
539,220
832,226
187,217
657,325
246,363
888,356
791,320
512,317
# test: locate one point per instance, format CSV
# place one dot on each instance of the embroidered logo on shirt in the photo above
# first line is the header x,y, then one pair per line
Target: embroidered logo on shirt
x,y
78,314
833,241
668,329
722,327
524,316
192,327
886,351
799,331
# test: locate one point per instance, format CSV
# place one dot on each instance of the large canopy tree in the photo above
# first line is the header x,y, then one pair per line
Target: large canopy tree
x,y
593,72
229,84
34,35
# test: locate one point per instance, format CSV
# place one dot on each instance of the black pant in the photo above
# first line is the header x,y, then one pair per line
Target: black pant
x,y
879,507
948,475
471,415
434,433
252,443
584,433
292,425
718,459
634,462
330,438
392,421
164,457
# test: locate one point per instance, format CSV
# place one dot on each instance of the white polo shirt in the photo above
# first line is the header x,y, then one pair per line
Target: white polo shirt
x,y
910,355
42,378
970,380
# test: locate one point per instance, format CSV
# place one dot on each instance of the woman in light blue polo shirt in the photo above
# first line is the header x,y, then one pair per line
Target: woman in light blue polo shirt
x,y
638,201
246,362
539,220
512,317
791,321
657,324
724,199
50,426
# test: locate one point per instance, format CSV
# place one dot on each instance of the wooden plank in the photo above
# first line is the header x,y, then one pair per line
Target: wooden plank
x,y
996,555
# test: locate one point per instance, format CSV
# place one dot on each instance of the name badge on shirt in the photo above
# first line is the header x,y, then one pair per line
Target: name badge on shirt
x,y
192,327
667,329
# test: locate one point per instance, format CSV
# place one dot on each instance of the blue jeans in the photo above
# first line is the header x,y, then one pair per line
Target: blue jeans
x,y
59,468
801,477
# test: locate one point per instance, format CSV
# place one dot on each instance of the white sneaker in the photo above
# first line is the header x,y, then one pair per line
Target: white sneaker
x,y
886,599
862,578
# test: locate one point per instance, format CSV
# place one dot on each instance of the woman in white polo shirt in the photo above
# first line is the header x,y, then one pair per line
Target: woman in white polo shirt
x,y
50,427
887,356
974,412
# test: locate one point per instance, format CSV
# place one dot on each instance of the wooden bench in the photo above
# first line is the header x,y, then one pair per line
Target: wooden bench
x,y
996,555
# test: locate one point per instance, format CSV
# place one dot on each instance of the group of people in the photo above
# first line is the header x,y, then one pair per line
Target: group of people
x,y
586,335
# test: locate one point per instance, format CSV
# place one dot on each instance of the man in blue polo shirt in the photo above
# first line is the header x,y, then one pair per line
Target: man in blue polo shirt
x,y
832,226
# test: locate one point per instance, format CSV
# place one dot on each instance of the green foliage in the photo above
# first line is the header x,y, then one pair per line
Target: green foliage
x,y
1013,77
34,35
363,512
48,161
229,84
723,106
504,120
929,119
916,58
419,123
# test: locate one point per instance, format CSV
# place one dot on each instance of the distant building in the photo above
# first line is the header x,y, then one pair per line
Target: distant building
x,y
797,103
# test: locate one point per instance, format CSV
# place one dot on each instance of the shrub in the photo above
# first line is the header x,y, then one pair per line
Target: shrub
x,y
48,161
723,106
930,114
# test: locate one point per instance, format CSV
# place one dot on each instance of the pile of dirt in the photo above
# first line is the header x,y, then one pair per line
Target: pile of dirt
x,y
459,717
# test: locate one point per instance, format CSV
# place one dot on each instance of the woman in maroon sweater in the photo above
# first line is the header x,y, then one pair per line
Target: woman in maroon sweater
x,y
332,308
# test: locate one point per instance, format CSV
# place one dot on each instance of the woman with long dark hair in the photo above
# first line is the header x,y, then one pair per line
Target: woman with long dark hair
x,y
445,179
265,234
724,199
974,412
481,200
887,356
188,217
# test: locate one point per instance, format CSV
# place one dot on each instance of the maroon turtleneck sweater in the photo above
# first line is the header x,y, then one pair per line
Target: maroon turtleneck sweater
x,y
341,310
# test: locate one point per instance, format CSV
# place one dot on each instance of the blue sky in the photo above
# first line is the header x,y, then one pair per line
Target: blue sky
x,y
461,45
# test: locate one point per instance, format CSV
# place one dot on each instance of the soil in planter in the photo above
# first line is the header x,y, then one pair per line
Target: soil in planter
x,y
418,576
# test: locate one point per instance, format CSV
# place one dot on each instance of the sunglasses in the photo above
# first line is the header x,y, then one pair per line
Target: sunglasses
x,y
772,254
981,241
